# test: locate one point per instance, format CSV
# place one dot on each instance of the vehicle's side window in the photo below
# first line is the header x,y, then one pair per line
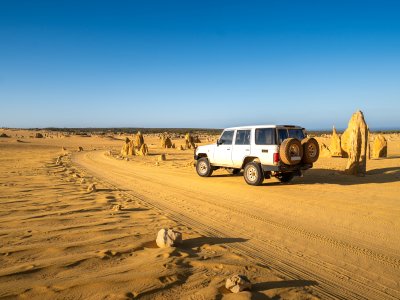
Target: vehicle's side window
x,y
242,137
296,134
265,136
226,138
282,133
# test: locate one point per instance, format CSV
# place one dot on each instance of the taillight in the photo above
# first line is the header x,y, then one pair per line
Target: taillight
x,y
276,157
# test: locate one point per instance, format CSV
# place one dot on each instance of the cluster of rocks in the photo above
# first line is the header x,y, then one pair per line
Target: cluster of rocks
x,y
129,147
3,135
354,145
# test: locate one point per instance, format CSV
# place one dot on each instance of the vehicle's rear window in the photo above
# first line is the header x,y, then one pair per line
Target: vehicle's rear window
x,y
282,135
265,136
296,134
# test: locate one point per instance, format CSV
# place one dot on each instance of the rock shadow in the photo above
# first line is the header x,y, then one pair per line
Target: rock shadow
x,y
134,209
201,241
259,287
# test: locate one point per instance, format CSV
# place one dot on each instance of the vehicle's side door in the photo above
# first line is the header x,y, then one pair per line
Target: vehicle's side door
x,y
223,149
241,147
282,135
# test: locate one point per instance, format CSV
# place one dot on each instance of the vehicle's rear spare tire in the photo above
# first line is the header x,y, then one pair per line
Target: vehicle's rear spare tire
x,y
310,150
291,151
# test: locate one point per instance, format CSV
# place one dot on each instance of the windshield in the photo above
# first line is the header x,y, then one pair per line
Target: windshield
x,y
226,138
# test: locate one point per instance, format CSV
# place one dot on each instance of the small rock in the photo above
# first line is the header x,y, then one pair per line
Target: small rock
x,y
380,147
237,283
127,159
92,188
83,180
80,149
157,163
116,207
144,150
77,176
191,164
58,162
331,173
161,157
63,149
168,238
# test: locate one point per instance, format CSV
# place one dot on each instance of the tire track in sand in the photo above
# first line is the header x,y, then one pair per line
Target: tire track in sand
x,y
343,285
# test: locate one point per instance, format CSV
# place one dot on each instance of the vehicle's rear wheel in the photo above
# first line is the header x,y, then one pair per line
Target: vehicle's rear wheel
x,y
291,151
203,167
285,177
233,171
310,150
253,174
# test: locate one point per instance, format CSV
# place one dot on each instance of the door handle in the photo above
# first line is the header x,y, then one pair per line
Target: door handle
x,y
228,149
247,149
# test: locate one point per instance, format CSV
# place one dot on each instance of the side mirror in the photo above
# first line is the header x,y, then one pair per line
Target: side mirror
x,y
218,142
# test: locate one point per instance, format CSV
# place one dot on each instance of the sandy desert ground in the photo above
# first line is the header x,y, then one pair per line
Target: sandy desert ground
x,y
322,236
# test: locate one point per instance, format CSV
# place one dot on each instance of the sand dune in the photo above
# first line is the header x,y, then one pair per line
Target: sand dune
x,y
321,236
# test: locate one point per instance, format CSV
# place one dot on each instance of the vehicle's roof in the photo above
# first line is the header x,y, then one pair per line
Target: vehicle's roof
x,y
265,126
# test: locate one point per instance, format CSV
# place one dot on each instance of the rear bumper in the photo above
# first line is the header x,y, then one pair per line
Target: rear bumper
x,y
287,168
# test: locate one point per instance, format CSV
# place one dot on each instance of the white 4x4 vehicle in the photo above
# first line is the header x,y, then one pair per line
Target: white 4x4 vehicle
x,y
262,151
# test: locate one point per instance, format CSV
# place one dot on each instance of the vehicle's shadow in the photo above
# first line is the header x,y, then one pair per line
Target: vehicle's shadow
x,y
322,176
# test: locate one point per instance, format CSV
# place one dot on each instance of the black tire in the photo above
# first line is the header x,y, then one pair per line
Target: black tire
x,y
253,174
285,177
310,150
291,151
203,167
233,171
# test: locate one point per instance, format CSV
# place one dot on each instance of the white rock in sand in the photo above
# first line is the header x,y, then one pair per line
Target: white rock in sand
x,y
237,283
92,188
116,207
168,238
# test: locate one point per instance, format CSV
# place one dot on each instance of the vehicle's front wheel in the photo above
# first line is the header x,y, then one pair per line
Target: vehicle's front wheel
x,y
285,177
203,167
253,174
233,171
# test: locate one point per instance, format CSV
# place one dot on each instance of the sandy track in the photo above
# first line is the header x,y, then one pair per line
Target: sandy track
x,y
342,237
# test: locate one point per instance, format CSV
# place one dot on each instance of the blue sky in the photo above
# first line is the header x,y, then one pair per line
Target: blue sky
x,y
208,64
